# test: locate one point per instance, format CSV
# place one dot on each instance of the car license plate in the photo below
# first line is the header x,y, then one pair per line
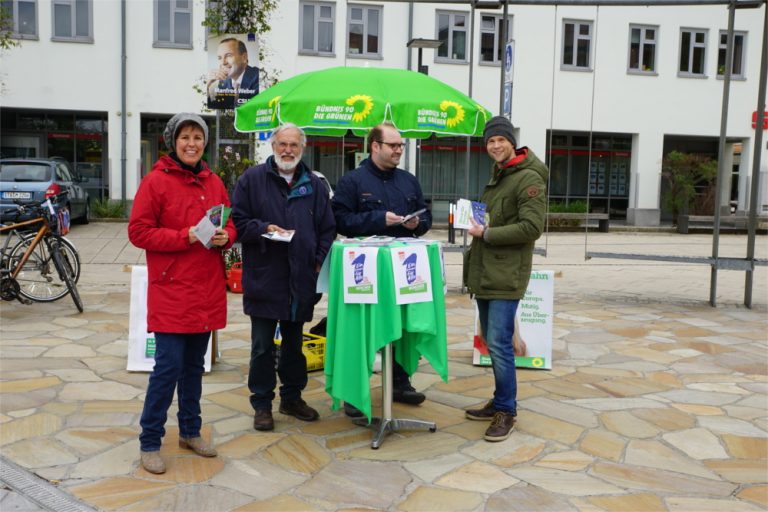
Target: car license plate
x,y
17,195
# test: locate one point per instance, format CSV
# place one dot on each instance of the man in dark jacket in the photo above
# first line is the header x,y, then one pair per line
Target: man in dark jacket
x,y
274,199
498,265
373,200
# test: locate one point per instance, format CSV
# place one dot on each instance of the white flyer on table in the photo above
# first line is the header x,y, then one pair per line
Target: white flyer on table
x,y
359,264
410,270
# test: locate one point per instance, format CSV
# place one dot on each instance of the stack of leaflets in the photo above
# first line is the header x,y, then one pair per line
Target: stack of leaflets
x,y
466,209
215,218
280,236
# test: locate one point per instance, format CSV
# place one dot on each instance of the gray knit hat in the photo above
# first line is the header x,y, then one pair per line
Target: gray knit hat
x,y
499,125
169,134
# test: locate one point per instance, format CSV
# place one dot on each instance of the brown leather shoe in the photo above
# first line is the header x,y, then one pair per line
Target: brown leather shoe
x,y
483,414
262,420
197,445
152,462
501,426
299,409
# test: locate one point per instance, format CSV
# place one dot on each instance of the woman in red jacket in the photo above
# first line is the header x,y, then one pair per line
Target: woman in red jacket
x,y
186,297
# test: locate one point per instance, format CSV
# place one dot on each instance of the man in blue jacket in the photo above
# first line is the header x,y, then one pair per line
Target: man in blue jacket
x,y
373,200
276,198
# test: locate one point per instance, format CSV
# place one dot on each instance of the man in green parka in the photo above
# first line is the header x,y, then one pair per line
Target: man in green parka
x,y
498,265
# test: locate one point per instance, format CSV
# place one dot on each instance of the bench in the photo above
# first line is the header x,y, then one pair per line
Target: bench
x,y
601,218
685,222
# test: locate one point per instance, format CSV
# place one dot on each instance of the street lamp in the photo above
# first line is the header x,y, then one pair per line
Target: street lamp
x,y
422,43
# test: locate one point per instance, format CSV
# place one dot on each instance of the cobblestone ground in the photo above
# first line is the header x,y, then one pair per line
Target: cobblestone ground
x,y
656,401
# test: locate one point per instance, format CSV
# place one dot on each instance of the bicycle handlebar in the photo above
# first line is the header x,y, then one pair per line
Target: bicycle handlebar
x,y
38,206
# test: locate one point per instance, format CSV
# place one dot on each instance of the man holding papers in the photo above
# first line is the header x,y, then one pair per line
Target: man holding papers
x,y
498,265
378,198
283,215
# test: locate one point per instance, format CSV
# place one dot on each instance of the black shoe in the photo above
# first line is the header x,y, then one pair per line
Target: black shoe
x,y
485,413
408,395
262,420
352,411
299,409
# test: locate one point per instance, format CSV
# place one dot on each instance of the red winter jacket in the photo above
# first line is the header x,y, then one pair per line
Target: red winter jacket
x,y
187,283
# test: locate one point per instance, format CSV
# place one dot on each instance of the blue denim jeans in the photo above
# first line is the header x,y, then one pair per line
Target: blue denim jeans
x,y
179,365
292,365
497,321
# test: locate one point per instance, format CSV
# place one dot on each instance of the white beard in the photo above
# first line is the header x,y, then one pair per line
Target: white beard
x,y
287,166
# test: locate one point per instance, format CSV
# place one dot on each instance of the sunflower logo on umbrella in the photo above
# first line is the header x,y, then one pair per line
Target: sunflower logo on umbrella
x,y
274,101
367,106
458,113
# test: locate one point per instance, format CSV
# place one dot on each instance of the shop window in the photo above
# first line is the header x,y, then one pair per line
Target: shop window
x,y
22,18
173,24
642,49
316,27
452,31
364,31
577,45
737,68
693,53
72,20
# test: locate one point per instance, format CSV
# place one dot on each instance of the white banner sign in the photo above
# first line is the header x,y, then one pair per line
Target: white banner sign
x,y
410,270
533,326
359,264
141,344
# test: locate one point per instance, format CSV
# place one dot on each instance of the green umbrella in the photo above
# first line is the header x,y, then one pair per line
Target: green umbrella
x,y
334,100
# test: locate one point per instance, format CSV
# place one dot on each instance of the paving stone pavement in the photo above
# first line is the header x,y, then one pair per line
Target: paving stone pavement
x,y
656,401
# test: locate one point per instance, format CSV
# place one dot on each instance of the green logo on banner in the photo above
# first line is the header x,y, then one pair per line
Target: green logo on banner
x,y
530,362
149,350
363,289
414,288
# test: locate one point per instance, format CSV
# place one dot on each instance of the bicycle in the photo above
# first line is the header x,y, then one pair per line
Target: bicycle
x,y
27,270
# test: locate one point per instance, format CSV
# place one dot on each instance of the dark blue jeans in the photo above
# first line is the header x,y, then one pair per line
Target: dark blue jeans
x,y
179,364
292,365
497,321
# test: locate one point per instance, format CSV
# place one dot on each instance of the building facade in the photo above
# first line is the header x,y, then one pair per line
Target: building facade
x,y
601,93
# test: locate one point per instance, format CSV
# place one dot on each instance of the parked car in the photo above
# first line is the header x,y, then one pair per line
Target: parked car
x,y
28,179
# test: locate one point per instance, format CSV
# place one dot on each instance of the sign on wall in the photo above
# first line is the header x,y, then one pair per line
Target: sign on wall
x,y
232,77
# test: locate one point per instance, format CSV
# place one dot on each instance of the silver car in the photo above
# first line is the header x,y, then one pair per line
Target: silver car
x,y
25,179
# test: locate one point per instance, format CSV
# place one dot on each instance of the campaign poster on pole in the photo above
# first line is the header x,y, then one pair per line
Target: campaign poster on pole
x,y
232,77
141,344
533,326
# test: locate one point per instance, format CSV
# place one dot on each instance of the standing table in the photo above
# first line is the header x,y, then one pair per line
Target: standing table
x,y
355,332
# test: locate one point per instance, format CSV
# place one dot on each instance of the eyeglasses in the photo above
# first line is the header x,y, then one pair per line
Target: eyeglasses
x,y
394,145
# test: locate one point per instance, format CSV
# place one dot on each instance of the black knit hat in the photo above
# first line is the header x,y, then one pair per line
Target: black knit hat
x,y
499,125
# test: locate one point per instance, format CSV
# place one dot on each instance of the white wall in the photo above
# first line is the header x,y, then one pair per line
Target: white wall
x,y
73,76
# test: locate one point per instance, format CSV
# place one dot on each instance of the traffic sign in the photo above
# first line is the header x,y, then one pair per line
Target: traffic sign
x,y
509,53
507,110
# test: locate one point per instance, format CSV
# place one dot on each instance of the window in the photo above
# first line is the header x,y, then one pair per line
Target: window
x,y
452,31
577,44
72,20
491,42
642,49
737,67
23,17
693,52
316,28
363,31
173,24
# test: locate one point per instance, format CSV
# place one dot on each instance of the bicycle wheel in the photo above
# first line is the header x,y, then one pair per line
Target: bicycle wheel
x,y
66,273
38,279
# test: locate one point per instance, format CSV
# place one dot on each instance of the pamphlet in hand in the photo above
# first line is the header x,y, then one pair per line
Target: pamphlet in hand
x,y
280,236
412,215
215,218
466,209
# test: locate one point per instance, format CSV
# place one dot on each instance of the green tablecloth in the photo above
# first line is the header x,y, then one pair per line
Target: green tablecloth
x,y
356,331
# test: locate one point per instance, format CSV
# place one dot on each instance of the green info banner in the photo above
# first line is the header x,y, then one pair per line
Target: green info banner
x,y
533,326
